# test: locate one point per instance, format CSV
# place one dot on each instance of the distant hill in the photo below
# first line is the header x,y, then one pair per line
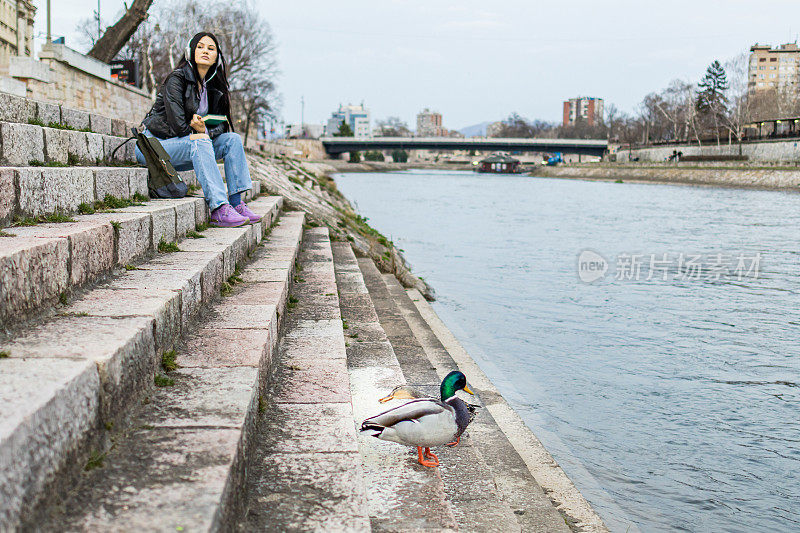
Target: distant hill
x,y
477,130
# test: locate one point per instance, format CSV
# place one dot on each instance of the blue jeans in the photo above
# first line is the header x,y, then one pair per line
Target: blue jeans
x,y
201,155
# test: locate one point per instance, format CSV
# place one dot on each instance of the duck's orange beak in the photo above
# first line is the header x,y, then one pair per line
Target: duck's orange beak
x,y
387,398
467,389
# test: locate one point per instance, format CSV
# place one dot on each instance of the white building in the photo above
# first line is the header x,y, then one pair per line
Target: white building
x,y
356,116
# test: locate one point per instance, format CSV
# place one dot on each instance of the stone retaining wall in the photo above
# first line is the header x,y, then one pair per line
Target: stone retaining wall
x,y
755,151
751,178
77,81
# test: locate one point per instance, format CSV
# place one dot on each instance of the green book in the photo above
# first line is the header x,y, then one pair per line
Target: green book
x,y
213,120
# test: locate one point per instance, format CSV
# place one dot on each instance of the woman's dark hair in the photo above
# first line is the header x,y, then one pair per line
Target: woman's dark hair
x,y
216,76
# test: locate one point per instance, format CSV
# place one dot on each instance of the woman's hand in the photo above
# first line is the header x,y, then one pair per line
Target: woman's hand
x,y
197,124
195,136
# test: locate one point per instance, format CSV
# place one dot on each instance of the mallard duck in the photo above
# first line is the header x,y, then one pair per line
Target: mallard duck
x,y
405,392
426,422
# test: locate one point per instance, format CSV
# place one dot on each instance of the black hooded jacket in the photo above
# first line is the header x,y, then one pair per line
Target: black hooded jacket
x,y
177,102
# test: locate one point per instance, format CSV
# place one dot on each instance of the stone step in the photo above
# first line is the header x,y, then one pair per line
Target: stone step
x,y
182,464
22,144
25,111
515,483
40,263
42,191
471,488
307,474
66,381
402,494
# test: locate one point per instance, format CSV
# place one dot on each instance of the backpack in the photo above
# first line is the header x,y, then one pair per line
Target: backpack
x,y
163,180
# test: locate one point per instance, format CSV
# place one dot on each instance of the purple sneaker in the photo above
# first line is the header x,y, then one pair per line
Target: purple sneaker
x,y
226,216
243,210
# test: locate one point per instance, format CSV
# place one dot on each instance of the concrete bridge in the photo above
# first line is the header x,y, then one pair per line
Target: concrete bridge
x,y
338,145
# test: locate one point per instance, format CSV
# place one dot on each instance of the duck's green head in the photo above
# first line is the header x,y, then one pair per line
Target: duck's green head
x,y
454,381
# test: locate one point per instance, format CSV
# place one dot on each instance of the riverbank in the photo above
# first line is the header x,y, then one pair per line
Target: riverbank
x,y
750,177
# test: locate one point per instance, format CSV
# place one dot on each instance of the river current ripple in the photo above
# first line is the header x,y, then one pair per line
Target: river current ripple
x,y
674,405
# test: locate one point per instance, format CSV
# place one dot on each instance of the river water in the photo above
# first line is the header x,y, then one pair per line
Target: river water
x,y
669,388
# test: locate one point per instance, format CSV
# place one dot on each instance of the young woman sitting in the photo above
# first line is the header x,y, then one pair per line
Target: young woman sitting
x,y
199,87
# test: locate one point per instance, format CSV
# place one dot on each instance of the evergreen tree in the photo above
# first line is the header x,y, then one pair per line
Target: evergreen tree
x,y
712,101
712,90
344,131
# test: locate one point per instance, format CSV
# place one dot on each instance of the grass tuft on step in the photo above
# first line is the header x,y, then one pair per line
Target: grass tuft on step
x,y
168,361
163,381
226,289
167,247
56,217
5,354
37,163
96,460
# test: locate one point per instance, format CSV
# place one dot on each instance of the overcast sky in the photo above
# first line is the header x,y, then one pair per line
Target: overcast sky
x,y
479,61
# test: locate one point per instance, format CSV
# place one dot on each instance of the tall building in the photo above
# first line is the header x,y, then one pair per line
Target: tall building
x,y
355,116
588,109
771,68
16,30
429,124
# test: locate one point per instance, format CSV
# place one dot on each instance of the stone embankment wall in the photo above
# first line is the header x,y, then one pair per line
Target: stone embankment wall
x,y
76,81
760,178
755,151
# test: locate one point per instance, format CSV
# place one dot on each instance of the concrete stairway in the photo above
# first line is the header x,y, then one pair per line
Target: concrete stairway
x,y
401,494
313,471
92,358
307,472
18,110
41,263
180,463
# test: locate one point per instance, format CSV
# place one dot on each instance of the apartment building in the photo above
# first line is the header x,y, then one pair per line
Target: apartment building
x,y
16,30
429,124
773,68
590,110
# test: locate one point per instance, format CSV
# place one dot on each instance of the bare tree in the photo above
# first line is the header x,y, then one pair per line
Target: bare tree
x,y
516,126
739,100
115,37
245,38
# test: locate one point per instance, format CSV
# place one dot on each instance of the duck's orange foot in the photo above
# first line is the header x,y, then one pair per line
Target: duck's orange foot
x,y
422,457
451,444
